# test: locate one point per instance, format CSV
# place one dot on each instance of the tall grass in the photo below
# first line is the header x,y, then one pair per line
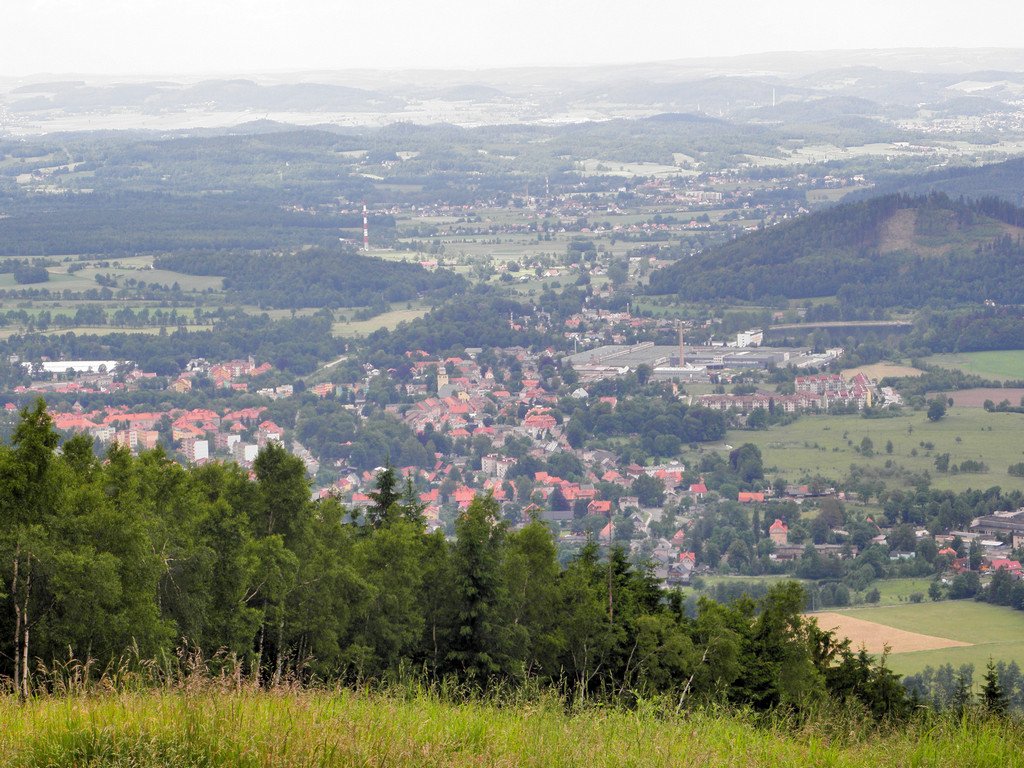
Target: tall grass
x,y
212,726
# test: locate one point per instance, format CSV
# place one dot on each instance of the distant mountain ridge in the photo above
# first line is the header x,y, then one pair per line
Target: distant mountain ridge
x,y
221,95
1003,180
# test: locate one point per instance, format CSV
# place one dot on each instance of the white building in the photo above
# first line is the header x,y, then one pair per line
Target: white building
x,y
79,366
752,338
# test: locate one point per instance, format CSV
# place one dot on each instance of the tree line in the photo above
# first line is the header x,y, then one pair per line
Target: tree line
x,y
103,557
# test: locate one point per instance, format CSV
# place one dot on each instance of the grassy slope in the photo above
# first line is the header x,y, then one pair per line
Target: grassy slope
x,y
343,729
995,631
991,437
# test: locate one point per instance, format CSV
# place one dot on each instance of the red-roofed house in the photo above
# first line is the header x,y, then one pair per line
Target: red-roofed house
x,y
779,533
67,422
1005,564
746,497
463,496
268,430
539,422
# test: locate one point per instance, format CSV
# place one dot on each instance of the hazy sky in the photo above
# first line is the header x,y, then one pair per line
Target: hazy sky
x,y
225,36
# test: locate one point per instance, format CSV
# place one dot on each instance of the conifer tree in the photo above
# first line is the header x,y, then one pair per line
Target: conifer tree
x,y
992,695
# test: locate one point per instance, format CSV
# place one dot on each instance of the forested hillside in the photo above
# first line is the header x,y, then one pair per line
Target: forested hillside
x,y
886,252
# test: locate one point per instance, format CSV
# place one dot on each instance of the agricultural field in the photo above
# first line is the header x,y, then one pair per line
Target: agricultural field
x,y
875,637
594,167
998,366
828,445
950,631
975,398
353,328
898,591
881,370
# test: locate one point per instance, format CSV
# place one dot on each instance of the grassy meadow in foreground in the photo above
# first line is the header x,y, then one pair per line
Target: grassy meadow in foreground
x,y
173,728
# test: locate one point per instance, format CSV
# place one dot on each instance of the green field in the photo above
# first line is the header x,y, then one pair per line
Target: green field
x,y
825,445
891,591
898,591
996,632
998,366
291,728
385,320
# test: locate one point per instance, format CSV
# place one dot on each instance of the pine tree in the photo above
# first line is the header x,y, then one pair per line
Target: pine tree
x,y
961,698
992,695
479,640
386,494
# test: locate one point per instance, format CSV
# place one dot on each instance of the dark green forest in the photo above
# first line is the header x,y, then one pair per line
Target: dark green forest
x,y
140,556
315,278
128,223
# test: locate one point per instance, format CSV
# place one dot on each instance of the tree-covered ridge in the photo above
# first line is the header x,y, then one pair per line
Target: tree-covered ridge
x,y
99,558
954,252
994,180
314,278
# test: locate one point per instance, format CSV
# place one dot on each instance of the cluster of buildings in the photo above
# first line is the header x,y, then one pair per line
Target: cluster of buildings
x,y
202,434
227,375
818,393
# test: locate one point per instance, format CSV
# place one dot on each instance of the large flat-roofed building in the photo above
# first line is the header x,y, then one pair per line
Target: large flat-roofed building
x,y
1008,525
618,359
78,366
